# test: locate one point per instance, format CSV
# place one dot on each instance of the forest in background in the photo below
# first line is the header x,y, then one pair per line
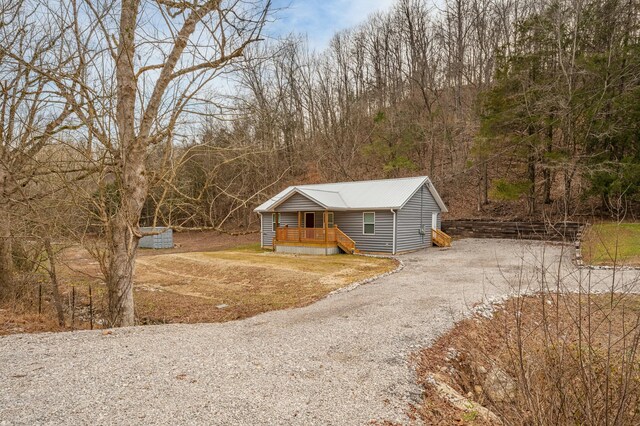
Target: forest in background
x,y
117,114
515,109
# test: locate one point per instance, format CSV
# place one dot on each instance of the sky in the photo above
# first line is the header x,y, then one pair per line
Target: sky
x,y
320,19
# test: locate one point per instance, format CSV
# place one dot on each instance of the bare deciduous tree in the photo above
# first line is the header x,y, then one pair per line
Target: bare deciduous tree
x,y
31,113
131,71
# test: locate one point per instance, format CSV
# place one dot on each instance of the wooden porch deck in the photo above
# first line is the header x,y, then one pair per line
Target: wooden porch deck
x,y
317,237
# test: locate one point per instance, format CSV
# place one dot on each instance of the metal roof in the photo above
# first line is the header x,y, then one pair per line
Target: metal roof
x,y
361,195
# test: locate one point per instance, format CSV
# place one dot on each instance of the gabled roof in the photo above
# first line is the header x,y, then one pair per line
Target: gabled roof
x,y
361,195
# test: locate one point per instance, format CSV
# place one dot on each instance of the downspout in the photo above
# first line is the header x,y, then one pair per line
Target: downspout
x,y
261,233
393,248
422,213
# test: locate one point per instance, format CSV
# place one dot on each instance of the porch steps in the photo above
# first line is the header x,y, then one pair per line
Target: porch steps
x,y
440,239
345,242
346,249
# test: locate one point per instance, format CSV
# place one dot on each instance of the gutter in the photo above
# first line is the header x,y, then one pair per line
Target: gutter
x,y
261,232
393,248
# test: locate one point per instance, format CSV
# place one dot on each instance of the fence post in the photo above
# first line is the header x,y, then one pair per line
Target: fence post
x,y
73,306
90,309
39,298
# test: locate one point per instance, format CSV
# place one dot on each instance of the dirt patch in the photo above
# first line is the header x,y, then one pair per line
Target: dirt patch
x,y
190,241
187,285
77,260
539,360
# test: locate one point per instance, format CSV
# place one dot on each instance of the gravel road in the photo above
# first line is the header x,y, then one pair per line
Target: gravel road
x,y
342,361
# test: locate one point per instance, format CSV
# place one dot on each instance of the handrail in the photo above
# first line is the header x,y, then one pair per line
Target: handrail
x,y
345,240
440,238
342,234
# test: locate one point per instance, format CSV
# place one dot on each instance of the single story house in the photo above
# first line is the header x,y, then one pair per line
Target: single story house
x,y
377,216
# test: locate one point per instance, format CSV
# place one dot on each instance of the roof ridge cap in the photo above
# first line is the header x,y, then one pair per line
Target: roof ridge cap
x,y
321,190
363,181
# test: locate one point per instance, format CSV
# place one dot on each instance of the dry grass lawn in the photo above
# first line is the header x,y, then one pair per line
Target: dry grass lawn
x,y
612,243
202,280
190,287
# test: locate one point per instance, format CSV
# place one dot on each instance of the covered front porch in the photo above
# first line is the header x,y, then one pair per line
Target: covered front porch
x,y
308,238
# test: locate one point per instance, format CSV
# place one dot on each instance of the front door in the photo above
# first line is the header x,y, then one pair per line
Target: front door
x,y
309,223
310,220
434,220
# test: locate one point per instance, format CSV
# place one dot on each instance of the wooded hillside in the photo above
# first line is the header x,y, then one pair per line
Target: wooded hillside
x,y
513,108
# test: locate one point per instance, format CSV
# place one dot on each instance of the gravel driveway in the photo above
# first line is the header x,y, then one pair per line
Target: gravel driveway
x,y
341,361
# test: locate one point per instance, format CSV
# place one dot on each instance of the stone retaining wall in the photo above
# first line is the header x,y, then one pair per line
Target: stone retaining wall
x,y
561,231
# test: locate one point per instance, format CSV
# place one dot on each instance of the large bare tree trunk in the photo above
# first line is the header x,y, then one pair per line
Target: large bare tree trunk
x,y
123,245
122,229
124,236
53,276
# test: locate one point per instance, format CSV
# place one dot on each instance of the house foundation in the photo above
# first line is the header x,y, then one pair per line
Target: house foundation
x,y
307,249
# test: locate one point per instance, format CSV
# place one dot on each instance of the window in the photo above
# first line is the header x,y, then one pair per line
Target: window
x,y
330,223
274,221
368,223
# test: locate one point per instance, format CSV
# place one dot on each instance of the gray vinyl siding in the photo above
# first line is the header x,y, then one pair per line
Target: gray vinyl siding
x,y
268,235
415,214
288,215
298,202
350,222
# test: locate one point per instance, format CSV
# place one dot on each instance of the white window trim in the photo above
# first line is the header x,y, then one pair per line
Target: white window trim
x,y
374,223
331,219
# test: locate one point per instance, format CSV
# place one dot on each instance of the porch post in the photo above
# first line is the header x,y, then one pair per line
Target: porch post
x,y
299,226
277,224
326,226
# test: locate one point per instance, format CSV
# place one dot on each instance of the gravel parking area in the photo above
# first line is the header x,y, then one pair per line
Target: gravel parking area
x,y
342,360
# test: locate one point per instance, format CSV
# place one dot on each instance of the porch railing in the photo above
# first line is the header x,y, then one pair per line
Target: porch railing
x,y
317,236
310,235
